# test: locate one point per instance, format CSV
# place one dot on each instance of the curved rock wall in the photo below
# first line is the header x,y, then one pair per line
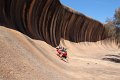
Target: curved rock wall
x,y
50,21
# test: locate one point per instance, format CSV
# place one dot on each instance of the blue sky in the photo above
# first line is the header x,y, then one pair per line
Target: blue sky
x,y
96,9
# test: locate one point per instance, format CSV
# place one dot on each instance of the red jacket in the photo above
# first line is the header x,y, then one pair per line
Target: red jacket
x,y
64,53
61,52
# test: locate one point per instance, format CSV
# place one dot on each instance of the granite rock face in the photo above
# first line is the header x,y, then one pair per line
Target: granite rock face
x,y
49,20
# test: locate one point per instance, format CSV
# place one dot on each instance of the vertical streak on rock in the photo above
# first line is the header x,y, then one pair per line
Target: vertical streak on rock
x,y
49,20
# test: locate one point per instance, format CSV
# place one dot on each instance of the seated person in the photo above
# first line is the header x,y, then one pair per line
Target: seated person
x,y
62,52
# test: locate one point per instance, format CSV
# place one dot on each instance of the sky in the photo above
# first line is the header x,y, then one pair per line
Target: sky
x,y
97,9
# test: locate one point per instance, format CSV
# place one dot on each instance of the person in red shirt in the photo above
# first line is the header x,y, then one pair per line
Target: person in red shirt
x,y
62,53
59,50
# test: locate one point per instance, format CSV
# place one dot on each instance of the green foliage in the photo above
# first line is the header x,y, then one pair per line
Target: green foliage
x,y
117,17
110,29
113,26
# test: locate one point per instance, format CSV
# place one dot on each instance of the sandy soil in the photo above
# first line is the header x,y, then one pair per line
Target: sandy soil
x,y
22,58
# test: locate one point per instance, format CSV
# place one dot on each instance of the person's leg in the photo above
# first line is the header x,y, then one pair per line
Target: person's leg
x,y
63,57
